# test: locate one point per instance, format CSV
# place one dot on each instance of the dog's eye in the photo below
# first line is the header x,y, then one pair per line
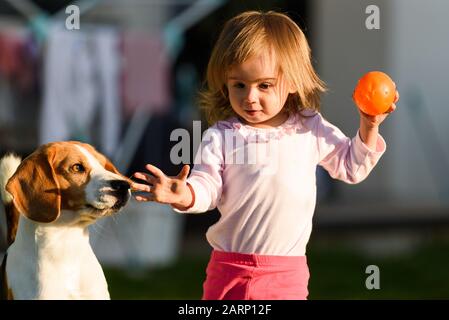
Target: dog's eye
x,y
78,168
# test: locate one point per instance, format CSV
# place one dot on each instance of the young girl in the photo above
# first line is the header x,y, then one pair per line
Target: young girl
x,y
263,93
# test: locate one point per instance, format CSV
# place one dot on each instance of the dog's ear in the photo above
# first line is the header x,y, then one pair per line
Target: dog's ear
x,y
35,189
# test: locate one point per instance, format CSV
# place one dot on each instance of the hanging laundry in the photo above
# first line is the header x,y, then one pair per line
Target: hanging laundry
x,y
81,85
18,58
145,73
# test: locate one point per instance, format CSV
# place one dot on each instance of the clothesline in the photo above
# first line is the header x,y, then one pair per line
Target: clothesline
x,y
173,29
172,32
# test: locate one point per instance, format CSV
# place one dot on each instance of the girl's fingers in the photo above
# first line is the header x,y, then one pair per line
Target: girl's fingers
x,y
184,172
140,187
365,115
145,177
142,198
392,108
155,171
396,97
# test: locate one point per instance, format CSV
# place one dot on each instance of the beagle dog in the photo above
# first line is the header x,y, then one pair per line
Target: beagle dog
x,y
50,199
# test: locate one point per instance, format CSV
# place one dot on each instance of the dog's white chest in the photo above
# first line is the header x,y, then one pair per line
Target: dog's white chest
x,y
54,263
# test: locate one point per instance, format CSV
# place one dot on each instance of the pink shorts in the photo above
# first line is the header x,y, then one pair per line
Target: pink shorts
x,y
238,276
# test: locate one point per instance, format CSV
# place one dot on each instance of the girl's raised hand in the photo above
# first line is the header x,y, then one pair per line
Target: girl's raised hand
x,y
373,121
163,189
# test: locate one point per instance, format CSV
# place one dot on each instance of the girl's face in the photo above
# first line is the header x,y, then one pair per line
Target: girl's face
x,y
258,92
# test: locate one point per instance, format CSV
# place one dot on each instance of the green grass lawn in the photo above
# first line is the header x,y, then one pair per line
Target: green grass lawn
x,y
335,274
182,280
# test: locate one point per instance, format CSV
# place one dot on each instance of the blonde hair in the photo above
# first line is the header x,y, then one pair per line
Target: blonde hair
x,y
242,38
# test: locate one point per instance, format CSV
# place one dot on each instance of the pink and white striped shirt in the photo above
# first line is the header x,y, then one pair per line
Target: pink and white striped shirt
x,y
263,180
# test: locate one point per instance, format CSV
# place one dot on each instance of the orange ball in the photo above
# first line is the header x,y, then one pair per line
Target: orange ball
x,y
374,93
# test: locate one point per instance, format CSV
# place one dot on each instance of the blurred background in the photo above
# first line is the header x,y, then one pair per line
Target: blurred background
x,y
128,76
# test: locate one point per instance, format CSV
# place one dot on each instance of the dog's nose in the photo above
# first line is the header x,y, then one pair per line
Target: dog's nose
x,y
120,185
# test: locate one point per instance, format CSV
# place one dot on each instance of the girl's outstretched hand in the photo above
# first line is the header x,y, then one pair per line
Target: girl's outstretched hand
x,y
163,189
